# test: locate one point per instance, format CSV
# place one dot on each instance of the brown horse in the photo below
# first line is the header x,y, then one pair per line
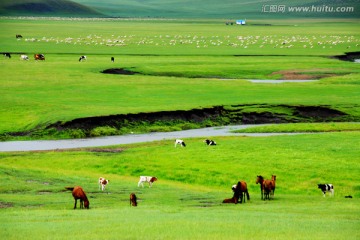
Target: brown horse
x,y
260,179
240,189
273,180
133,200
78,193
234,199
268,187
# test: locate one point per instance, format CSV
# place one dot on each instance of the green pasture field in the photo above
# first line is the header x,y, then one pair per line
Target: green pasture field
x,y
181,65
186,201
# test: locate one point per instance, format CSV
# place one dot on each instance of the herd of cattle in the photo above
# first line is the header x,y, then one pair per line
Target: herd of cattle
x,y
40,56
240,190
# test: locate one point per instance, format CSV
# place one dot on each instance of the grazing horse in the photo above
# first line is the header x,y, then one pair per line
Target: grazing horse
x,y
209,142
133,200
240,189
148,179
82,58
18,36
327,188
102,183
260,179
39,57
78,193
7,55
180,142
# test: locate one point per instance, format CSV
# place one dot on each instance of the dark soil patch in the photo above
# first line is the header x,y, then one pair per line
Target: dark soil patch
x,y
121,71
349,56
6,205
301,75
105,150
199,118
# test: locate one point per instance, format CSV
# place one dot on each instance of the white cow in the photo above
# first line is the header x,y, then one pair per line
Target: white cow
x,y
148,179
24,57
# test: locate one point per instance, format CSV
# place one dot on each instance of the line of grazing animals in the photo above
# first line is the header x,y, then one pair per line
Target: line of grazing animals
x,y
40,56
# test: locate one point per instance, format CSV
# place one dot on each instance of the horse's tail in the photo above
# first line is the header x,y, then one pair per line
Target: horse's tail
x,y
69,188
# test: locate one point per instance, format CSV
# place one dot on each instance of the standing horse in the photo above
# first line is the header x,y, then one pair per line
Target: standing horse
x,y
78,193
240,189
260,179
273,179
268,187
133,200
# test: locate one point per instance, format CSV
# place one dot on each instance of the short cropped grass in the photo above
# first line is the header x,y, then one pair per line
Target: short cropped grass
x,y
303,127
186,201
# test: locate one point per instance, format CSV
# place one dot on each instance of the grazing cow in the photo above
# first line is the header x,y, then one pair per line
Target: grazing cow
x,y
209,142
78,193
7,55
18,36
39,57
181,142
82,58
148,179
112,59
102,183
327,188
24,57
133,200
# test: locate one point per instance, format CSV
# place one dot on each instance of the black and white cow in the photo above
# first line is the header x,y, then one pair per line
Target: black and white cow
x,y
327,188
209,142
112,59
180,142
82,58
7,55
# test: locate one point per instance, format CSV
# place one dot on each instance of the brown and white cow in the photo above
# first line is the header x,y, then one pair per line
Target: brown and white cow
x,y
148,179
102,183
39,56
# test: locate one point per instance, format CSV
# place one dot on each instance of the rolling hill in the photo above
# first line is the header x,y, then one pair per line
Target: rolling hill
x,y
53,8
225,9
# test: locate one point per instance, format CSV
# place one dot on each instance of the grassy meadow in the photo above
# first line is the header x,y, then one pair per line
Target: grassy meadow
x,y
185,203
180,65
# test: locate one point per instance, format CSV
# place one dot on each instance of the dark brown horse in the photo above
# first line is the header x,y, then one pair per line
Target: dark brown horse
x,y
133,200
240,189
260,179
78,193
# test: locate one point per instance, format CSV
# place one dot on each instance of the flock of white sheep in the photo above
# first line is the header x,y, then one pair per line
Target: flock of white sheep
x,y
268,41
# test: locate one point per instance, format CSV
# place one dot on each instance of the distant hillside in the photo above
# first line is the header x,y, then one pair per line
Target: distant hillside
x,y
56,8
227,9
224,9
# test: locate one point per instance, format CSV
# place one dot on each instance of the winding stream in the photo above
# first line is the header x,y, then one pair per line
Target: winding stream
x,y
39,145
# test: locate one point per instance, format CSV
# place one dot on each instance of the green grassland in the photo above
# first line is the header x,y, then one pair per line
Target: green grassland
x,y
199,63
179,65
185,203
